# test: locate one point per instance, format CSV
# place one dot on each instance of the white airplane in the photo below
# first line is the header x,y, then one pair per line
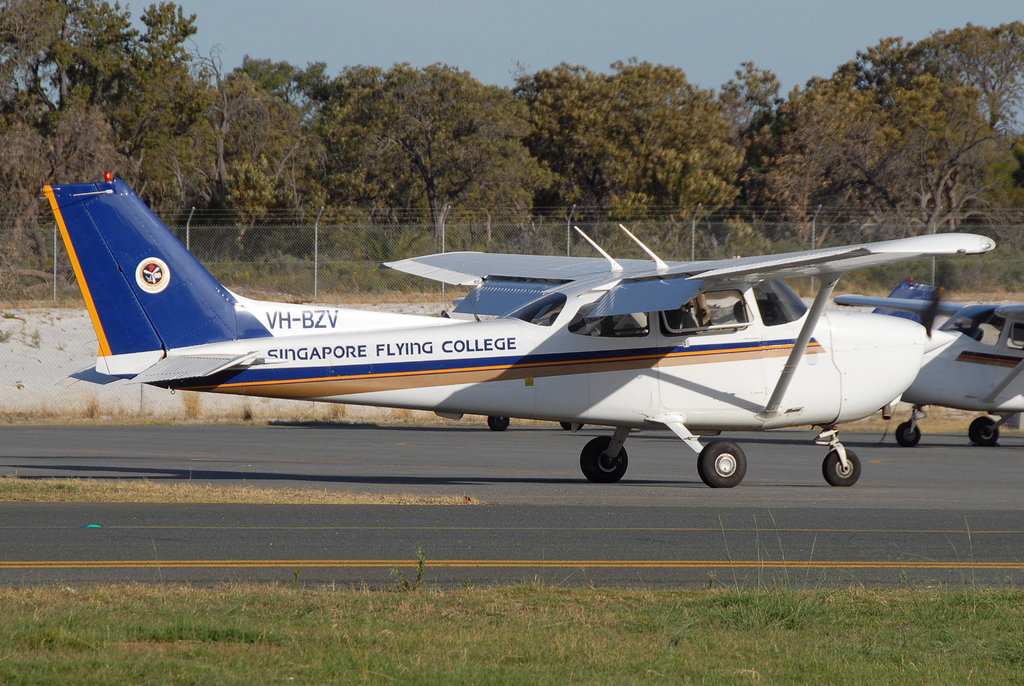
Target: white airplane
x,y
979,366
699,347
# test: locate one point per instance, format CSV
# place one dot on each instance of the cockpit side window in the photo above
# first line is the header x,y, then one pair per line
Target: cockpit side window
x,y
613,326
777,303
711,311
1016,338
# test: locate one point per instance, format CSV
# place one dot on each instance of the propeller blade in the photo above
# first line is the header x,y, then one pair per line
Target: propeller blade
x,y
928,316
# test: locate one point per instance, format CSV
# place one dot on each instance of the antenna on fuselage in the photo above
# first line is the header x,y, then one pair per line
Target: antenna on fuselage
x,y
616,267
658,262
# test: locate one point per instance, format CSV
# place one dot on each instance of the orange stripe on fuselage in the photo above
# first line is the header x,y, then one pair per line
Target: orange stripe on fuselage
x,y
992,360
300,388
79,275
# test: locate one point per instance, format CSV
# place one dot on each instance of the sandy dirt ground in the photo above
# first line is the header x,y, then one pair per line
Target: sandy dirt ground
x,y
40,350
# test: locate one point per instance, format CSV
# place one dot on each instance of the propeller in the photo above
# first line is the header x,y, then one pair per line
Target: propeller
x,y
928,316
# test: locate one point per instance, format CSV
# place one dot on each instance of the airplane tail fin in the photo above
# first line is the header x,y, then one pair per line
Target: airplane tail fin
x,y
145,292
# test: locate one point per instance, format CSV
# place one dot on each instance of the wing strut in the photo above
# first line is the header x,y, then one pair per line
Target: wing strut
x,y
995,392
615,266
658,262
800,347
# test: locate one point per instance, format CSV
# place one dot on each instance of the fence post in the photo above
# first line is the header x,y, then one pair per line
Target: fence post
x,y
814,228
444,220
55,263
568,229
693,233
316,251
188,228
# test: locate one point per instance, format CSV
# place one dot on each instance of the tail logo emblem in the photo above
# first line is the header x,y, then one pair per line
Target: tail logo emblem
x,y
152,275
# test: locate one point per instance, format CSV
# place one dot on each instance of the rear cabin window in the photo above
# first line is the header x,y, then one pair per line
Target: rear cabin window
x,y
613,326
711,311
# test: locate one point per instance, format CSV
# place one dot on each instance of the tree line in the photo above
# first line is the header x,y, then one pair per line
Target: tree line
x,y
924,135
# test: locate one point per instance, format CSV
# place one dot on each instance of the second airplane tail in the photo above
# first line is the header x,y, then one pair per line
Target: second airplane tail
x,y
145,292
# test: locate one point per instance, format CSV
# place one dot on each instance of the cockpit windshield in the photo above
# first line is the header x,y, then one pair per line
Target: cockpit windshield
x,y
980,322
543,311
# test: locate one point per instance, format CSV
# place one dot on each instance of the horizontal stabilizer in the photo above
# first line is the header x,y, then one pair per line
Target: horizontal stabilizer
x,y
181,367
92,376
905,304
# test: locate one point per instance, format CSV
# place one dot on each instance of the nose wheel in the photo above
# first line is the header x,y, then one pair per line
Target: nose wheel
x,y
838,474
841,466
909,433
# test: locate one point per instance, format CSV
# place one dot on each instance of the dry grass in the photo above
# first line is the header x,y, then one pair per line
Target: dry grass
x,y
939,420
15,489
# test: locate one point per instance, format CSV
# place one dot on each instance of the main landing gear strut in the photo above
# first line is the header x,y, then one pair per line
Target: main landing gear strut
x,y
720,464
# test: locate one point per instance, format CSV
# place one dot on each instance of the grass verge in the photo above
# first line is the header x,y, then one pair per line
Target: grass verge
x,y
530,635
15,489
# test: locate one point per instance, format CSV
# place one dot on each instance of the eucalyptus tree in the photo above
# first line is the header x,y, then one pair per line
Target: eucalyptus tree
x,y
426,138
638,139
901,133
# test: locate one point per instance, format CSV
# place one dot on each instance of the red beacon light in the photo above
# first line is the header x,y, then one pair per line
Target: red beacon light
x,y
108,176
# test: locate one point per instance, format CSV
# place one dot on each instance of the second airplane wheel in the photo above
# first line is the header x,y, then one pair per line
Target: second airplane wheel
x,y
498,423
599,467
834,472
721,464
983,431
907,435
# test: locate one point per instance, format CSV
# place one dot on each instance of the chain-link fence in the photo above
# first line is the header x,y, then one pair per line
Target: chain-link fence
x,y
333,261
45,334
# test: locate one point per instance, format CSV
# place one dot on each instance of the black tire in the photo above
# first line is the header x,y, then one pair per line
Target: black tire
x,y
835,475
721,464
498,423
907,435
599,467
983,431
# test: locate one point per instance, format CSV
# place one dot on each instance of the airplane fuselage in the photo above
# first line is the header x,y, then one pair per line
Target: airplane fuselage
x,y
716,379
965,375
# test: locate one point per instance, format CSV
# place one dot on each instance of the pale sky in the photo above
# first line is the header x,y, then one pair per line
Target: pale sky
x,y
796,39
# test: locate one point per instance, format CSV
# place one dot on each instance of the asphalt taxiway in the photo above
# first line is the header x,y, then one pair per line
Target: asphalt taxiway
x,y
942,512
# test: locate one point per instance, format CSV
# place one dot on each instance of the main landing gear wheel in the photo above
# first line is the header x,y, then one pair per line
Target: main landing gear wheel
x,y
983,431
834,472
721,464
498,423
599,467
907,434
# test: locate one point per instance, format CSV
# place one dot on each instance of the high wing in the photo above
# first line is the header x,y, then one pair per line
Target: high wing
x,y
638,285
1014,312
